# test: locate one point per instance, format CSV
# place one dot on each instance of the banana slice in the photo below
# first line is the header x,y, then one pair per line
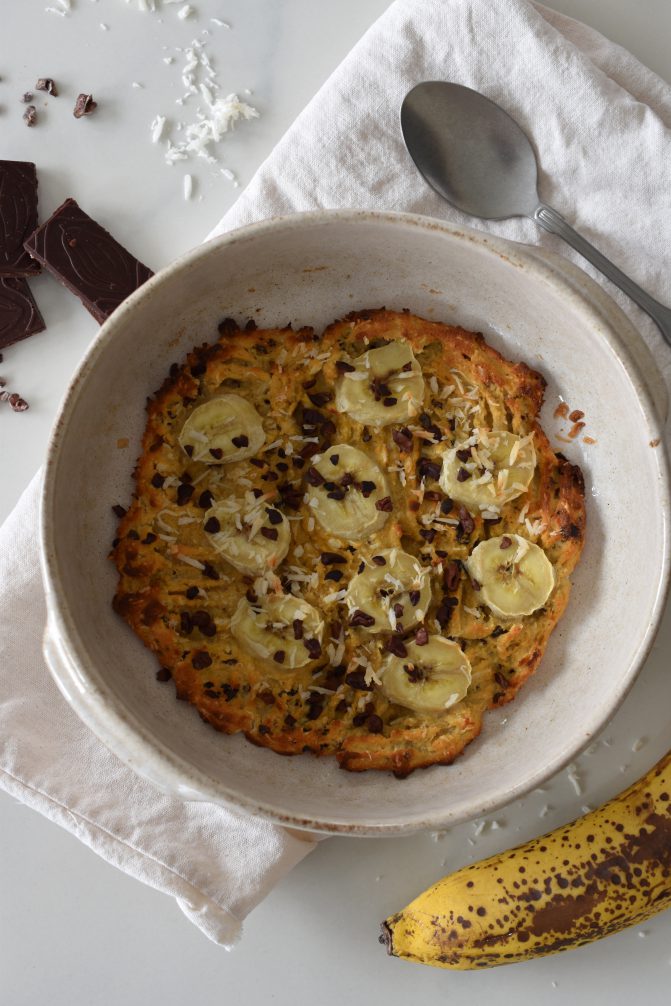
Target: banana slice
x,y
348,493
227,428
253,538
515,576
430,678
386,386
490,468
393,588
281,628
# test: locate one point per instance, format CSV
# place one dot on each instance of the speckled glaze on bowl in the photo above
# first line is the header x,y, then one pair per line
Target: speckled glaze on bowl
x,y
310,269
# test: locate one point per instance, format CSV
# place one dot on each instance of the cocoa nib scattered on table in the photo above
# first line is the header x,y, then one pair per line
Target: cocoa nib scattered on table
x,y
30,115
84,105
86,259
48,85
15,401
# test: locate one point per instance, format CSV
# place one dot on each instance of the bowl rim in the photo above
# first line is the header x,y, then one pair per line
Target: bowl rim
x,y
119,729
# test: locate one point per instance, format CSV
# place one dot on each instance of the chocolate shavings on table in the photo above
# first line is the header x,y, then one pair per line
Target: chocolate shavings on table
x,y
19,314
87,260
18,217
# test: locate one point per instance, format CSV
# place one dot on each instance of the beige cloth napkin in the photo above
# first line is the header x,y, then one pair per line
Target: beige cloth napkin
x,y
601,123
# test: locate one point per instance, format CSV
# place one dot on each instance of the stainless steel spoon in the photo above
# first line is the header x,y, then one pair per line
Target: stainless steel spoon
x,y
478,158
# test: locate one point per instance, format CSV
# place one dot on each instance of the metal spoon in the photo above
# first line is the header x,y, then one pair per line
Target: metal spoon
x,y
478,158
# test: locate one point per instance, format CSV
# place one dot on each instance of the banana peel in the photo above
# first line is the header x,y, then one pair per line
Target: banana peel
x,y
604,872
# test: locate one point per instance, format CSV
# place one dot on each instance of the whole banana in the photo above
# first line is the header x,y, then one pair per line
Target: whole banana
x,y
606,871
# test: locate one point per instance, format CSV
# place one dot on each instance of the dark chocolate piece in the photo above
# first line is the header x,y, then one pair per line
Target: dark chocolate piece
x,y
19,314
18,217
84,105
86,259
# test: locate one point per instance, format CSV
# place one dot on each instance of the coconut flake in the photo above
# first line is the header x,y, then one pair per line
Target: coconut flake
x,y
157,127
190,561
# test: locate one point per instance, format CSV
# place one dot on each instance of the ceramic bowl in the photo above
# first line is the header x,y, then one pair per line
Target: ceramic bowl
x,y
310,269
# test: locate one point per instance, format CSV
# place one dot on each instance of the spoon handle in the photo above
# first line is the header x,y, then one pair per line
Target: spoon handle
x,y
554,222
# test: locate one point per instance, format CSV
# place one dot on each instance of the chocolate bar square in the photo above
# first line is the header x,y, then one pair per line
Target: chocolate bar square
x,y
86,259
18,217
19,314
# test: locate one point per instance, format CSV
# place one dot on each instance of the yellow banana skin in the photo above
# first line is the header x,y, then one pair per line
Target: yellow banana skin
x,y
606,871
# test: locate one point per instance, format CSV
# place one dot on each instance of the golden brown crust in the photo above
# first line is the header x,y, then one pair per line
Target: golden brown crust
x,y
164,557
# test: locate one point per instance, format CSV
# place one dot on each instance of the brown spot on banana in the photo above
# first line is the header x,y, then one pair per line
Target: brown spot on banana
x,y
606,871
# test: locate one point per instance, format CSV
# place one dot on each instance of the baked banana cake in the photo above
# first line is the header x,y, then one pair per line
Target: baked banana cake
x,y
350,543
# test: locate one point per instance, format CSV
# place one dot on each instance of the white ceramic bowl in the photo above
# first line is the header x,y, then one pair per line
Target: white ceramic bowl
x,y
310,269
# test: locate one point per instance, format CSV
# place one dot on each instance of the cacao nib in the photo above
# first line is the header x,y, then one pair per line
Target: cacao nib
x,y
201,659
205,500
451,575
402,438
313,646
422,636
360,617
332,558
313,477
396,646
320,398
428,469
184,493
385,504
375,724
466,522
357,680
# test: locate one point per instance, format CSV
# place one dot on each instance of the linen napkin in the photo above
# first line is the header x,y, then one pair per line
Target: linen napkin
x,y
601,124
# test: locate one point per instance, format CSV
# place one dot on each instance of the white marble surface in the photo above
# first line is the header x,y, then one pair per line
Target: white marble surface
x,y
72,928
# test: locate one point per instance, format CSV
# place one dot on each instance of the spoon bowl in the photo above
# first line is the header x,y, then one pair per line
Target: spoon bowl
x,y
480,160
461,141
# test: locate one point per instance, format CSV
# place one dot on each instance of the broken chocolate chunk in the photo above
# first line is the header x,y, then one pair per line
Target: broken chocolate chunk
x,y
86,259
18,217
19,314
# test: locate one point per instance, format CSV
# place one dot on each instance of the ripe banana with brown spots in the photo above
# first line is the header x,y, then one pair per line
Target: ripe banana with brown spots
x,y
606,871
